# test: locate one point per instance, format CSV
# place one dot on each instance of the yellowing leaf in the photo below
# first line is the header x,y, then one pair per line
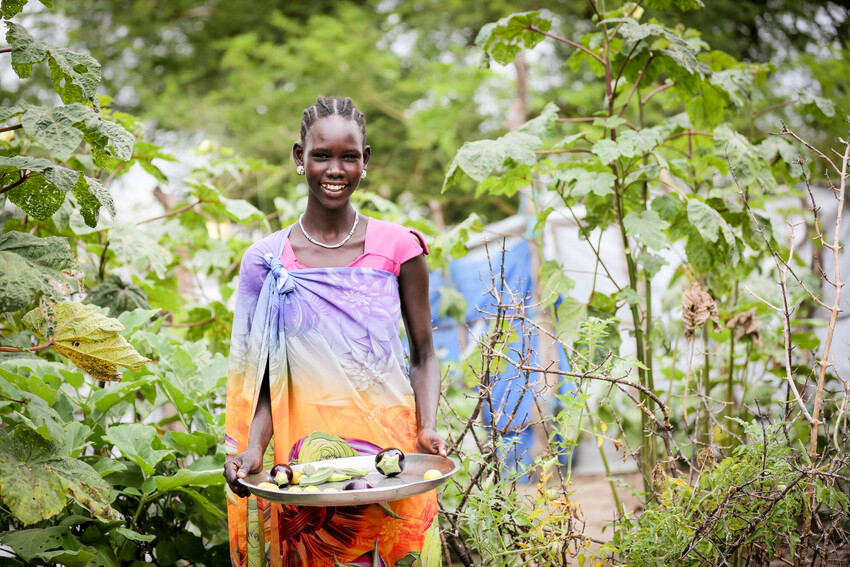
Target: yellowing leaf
x,y
90,340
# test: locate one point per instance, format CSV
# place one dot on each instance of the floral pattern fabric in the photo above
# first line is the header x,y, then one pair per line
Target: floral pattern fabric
x,y
331,340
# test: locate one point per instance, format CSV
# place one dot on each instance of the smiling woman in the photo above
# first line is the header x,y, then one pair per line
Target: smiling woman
x,y
317,362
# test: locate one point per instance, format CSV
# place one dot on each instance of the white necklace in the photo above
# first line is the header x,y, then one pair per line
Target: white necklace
x,y
322,244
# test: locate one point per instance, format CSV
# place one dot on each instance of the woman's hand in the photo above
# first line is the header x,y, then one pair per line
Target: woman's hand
x,y
429,441
239,466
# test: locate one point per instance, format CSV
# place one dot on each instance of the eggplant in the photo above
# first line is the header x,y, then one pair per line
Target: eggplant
x,y
356,484
390,461
281,474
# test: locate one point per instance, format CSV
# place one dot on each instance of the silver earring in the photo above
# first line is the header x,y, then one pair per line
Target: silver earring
x,y
299,170
363,174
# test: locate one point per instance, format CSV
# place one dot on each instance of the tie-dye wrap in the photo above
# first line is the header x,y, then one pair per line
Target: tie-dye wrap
x,y
331,338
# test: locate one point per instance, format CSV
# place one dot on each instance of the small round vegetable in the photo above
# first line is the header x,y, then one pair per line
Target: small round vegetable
x,y
295,489
281,474
296,476
331,489
267,486
312,488
356,484
390,461
432,474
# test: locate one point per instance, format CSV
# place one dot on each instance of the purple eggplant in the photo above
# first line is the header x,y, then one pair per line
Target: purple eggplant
x,y
356,484
281,474
390,461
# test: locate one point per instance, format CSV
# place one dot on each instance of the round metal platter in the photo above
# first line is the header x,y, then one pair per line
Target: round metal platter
x,y
409,483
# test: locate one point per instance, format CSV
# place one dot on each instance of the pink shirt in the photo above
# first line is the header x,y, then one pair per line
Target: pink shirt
x,y
387,247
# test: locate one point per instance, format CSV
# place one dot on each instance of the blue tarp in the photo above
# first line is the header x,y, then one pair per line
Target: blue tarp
x,y
476,276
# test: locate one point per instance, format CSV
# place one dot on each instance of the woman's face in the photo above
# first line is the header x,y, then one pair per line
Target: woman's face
x,y
333,157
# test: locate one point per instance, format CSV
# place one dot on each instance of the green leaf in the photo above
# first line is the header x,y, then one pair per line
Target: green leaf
x,y
130,534
105,134
90,340
32,543
683,5
76,76
554,282
139,249
35,478
647,228
709,222
43,191
580,181
203,502
186,477
7,112
9,8
821,108
609,121
480,158
748,164
30,266
652,263
543,126
90,196
135,441
118,296
502,40
607,150
54,128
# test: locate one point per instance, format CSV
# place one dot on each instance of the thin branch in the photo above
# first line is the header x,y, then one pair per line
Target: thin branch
x,y
23,178
563,151
665,86
689,133
6,50
193,324
578,46
171,213
36,348
787,132
635,85
10,128
773,107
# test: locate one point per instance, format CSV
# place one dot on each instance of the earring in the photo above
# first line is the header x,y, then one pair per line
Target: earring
x,y
363,174
299,170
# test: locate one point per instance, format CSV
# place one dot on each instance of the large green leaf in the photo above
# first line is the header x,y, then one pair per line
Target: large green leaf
x,y
32,543
46,184
54,128
9,8
61,129
709,222
36,478
31,265
502,40
647,228
117,295
135,441
581,181
480,158
186,477
91,340
678,51
139,249
748,164
76,76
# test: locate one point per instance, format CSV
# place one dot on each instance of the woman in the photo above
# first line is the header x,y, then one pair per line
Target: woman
x,y
316,356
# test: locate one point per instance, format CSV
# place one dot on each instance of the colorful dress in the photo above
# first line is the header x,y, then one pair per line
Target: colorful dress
x,y
331,337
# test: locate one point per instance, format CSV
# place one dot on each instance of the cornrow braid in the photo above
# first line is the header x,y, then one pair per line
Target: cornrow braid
x,y
328,106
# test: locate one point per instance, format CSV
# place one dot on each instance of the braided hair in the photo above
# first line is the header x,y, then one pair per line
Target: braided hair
x,y
328,106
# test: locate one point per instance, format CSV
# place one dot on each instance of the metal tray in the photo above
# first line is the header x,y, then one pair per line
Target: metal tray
x,y
384,489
